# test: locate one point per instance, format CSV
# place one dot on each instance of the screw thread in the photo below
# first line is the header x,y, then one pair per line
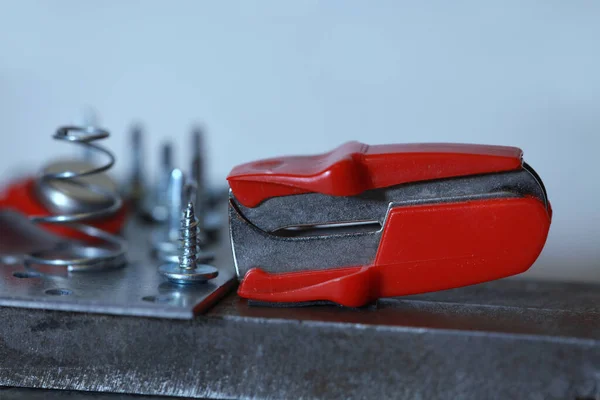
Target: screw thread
x,y
188,250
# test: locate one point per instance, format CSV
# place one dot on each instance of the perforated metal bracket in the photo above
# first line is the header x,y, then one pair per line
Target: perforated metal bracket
x,y
136,289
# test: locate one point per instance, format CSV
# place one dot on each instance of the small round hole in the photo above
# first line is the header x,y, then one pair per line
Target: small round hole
x,y
158,299
26,274
59,292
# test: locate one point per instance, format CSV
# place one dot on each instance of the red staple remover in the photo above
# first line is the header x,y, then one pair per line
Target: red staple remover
x,y
363,222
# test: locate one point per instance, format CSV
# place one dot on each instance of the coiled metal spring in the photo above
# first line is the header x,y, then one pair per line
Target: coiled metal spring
x,y
74,255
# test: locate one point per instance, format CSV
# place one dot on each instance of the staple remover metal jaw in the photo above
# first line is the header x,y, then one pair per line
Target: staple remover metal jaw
x,y
363,222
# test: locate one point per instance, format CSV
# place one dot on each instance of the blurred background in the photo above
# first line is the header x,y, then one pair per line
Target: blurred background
x,y
268,78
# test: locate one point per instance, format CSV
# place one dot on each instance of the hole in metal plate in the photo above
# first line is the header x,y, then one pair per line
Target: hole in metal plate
x,y
59,292
158,299
26,274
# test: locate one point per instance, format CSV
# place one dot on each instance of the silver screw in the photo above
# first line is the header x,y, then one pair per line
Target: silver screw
x,y
162,186
210,220
188,238
165,238
155,206
197,174
188,269
137,186
174,194
166,159
190,193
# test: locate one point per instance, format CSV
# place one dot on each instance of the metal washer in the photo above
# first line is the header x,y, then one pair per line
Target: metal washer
x,y
200,274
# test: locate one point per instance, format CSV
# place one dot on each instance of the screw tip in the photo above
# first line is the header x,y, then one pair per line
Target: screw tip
x,y
188,212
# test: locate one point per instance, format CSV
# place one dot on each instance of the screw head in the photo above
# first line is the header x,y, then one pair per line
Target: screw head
x,y
200,274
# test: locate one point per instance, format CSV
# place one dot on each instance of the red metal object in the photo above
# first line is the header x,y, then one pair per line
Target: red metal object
x,y
20,196
355,167
423,248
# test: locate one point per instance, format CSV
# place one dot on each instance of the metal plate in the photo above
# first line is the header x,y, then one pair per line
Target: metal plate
x,y
501,340
137,289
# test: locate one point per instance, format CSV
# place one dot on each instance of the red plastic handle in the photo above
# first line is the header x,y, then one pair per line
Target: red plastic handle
x,y
355,167
424,248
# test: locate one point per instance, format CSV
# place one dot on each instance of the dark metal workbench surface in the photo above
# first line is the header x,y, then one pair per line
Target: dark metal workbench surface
x,y
505,339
